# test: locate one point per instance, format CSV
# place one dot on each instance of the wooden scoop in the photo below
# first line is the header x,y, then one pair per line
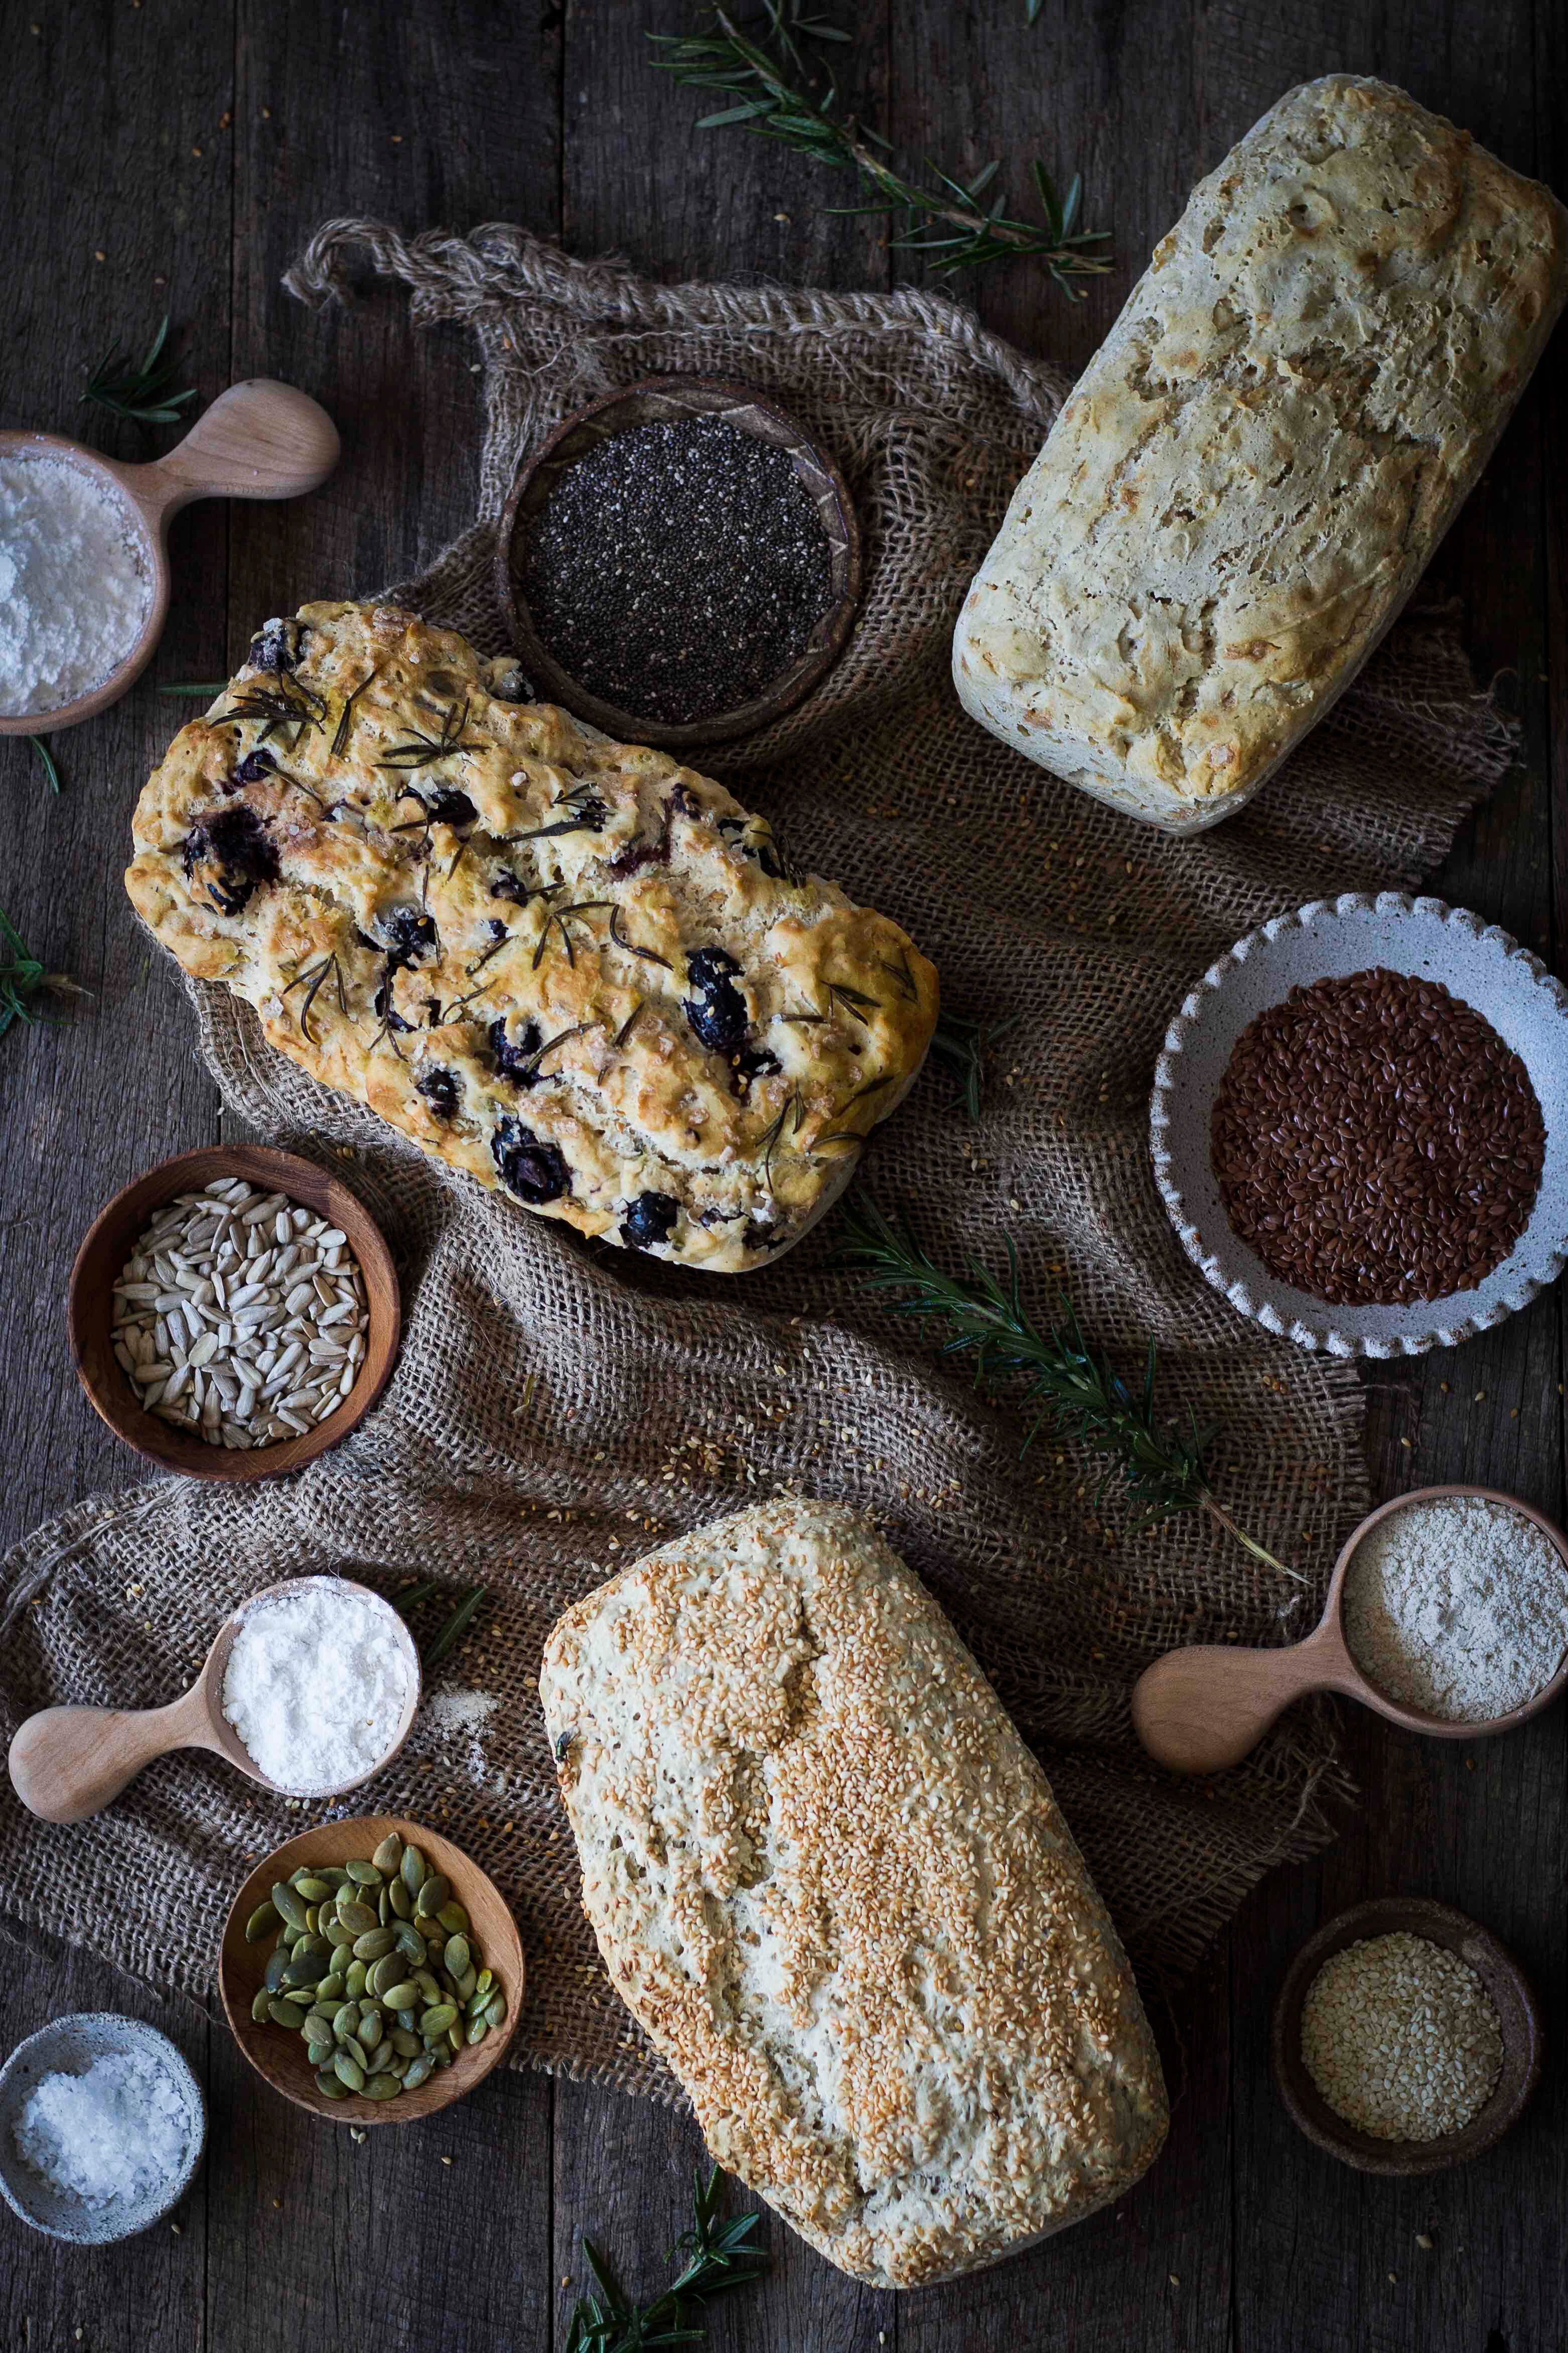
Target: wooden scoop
x,y
1200,1709
259,440
66,1762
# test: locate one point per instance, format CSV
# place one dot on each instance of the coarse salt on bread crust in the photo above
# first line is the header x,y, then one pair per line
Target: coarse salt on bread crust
x,y
570,967
833,1885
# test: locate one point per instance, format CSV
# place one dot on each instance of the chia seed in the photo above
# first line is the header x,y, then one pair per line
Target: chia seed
x,y
677,570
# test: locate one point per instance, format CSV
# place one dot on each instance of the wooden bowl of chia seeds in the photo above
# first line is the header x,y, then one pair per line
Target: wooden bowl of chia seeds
x,y
1512,2001
681,562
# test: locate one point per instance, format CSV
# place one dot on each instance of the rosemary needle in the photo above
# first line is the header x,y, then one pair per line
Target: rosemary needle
x,y
51,768
23,978
456,1627
145,393
1067,1382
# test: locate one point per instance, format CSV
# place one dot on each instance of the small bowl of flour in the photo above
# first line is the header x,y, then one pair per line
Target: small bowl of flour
x,y
102,2127
78,579
1455,1604
318,1682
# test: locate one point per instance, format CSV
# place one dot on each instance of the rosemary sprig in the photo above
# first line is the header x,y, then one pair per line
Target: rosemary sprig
x,y
423,751
456,1625
51,766
23,978
956,224
1070,1384
146,392
285,704
561,915
961,1047
202,689
720,2254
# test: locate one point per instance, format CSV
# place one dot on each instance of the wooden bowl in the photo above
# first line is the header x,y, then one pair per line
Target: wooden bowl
x,y
1519,2014
1206,1705
259,439
109,1242
280,2058
657,400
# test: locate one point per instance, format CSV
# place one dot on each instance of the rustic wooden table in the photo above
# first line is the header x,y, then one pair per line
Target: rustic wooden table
x,y
176,152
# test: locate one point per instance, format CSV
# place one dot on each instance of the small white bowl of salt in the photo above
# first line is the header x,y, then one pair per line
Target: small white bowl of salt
x,y
102,2126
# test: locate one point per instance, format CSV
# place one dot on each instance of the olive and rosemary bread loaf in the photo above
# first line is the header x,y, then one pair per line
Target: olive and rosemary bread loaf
x,y
832,1885
565,964
1256,466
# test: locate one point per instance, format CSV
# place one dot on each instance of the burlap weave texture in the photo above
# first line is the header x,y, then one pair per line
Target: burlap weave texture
x,y
558,1408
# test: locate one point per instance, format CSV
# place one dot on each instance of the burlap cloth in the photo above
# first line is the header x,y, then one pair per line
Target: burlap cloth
x,y
558,1408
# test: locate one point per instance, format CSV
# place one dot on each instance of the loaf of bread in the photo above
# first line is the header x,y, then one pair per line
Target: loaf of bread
x,y
1255,466
832,1885
568,965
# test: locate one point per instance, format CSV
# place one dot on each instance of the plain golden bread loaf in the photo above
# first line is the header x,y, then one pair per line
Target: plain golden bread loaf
x,y
834,1887
1256,466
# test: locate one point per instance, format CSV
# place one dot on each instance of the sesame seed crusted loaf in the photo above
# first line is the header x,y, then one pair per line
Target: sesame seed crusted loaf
x,y
567,965
1254,469
834,1887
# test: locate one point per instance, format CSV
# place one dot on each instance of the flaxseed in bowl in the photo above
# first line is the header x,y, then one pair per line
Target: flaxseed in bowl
x,y
1359,1126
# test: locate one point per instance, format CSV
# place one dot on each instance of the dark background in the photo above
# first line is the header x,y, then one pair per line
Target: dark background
x,y
175,154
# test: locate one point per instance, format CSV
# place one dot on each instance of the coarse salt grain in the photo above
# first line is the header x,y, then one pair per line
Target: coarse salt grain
x,y
119,2130
1401,2038
1458,1607
316,1685
74,588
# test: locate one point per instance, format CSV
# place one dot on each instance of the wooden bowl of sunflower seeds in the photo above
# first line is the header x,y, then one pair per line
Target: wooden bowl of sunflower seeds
x,y
233,1313
323,1989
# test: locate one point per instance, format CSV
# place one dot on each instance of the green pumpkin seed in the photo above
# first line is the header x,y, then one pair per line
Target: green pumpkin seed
x,y
384,1905
327,2010
419,2070
373,1944
356,1916
369,2032
409,1942
333,1873
314,1890
478,2030
265,1918
455,1955
261,2007
402,1995
331,1987
484,1981
389,1853
437,2018
348,2070
399,1901
335,1933
454,1919
302,1998
345,2018
272,1976
288,1904
433,1894
466,1984
385,1972
495,2008
280,2014
305,1972
328,2084
424,1979
413,1869
353,1979
406,2046
382,2087
364,1874
319,2034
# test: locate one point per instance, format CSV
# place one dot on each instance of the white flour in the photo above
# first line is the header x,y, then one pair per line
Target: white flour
x,y
74,590
316,1685
1458,1607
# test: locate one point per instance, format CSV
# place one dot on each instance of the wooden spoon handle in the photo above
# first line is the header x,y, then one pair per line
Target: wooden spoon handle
x,y
70,1762
259,439
1200,1709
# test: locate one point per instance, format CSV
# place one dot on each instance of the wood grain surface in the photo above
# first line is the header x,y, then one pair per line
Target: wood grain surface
x,y
176,152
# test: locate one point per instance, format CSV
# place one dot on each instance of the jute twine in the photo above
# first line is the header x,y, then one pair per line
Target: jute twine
x,y
558,1408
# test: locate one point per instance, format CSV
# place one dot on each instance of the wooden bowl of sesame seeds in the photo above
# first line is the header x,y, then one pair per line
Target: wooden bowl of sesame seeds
x,y
93,1299
1513,1997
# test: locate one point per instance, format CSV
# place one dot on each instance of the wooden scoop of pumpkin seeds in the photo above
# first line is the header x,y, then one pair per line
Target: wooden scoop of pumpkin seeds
x,y
378,1966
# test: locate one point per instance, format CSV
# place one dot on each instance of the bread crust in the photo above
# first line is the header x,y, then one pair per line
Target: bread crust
x,y
832,1883
1257,466
682,1025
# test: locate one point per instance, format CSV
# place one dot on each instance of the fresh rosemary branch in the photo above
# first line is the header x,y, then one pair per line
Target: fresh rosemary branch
x,y
962,1047
202,690
23,978
146,392
718,2255
956,224
51,766
1070,1384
